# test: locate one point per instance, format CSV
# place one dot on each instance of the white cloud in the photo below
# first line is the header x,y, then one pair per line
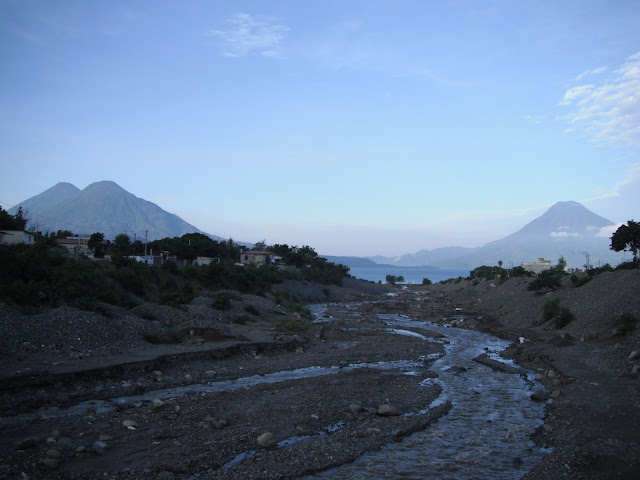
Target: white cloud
x,y
607,232
610,111
595,71
564,234
247,34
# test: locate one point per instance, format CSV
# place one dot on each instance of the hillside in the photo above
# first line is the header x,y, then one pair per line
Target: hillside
x,y
567,229
103,207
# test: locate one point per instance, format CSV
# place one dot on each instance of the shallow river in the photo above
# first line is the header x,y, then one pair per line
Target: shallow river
x,y
486,433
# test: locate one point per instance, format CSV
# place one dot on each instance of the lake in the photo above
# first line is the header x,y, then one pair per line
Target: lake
x,y
410,274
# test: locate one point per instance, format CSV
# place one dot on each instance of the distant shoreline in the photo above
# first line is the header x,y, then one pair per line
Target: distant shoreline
x,y
410,274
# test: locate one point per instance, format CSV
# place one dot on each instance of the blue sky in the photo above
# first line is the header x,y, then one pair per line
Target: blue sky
x,y
356,127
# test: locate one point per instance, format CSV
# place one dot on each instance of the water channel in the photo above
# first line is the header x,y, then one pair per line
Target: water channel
x,y
485,434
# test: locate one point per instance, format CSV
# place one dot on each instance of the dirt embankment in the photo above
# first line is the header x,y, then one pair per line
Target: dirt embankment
x,y
590,366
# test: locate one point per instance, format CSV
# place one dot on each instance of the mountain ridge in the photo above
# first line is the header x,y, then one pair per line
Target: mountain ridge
x,y
566,229
106,207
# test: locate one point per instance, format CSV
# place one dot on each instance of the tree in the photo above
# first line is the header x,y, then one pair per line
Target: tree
x,y
12,222
627,238
500,263
122,244
96,244
562,264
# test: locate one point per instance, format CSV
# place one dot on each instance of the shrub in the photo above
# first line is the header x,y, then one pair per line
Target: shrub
x,y
550,309
624,324
563,318
561,315
426,281
222,300
290,324
326,292
549,279
581,280
170,336
252,310
242,319
142,312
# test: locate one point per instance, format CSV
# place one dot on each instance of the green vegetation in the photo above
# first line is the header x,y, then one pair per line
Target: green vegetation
x,y
548,280
393,279
489,273
552,310
291,324
12,222
243,319
171,336
252,309
222,300
42,275
143,312
426,281
627,238
624,324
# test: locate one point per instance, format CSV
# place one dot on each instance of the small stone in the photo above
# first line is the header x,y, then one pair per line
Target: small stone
x,y
157,404
635,370
65,441
539,377
99,447
209,374
81,449
50,440
315,417
555,394
53,453
55,434
387,410
355,407
219,424
130,424
267,440
105,438
51,463
90,419
634,355
540,395
551,373
26,443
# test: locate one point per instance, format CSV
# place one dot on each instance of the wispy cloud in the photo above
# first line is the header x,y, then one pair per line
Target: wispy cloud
x,y
632,178
609,111
246,34
595,71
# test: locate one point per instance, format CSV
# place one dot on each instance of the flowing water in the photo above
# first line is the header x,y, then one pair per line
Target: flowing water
x,y
485,434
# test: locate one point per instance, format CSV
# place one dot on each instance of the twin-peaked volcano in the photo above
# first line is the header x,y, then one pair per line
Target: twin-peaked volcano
x,y
102,207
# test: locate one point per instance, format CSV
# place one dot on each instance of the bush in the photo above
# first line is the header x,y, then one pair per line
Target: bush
x,y
426,281
549,279
290,324
222,300
624,324
142,312
550,309
563,318
252,310
581,280
171,336
242,319
553,310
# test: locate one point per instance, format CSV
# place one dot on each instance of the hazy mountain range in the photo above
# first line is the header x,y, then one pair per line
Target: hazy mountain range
x,y
567,229
102,207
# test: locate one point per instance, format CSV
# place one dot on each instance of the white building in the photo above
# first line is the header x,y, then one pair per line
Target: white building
x,y
537,267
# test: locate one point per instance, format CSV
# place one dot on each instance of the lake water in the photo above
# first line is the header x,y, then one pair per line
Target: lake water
x,y
410,274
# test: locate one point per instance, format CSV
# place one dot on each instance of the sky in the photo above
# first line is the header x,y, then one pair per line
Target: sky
x,y
358,127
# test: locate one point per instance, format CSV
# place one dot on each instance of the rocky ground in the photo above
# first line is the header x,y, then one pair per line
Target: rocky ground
x,y
104,366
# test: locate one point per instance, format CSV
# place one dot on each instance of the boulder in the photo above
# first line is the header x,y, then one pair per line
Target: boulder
x,y
387,410
267,440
